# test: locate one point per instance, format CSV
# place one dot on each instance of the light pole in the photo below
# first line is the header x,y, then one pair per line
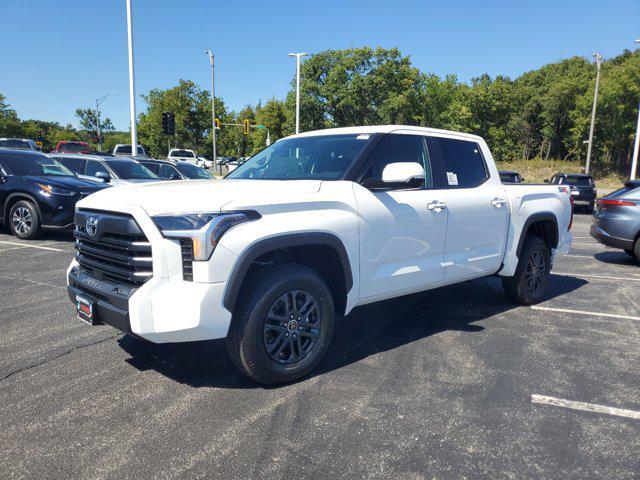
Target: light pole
x,y
98,103
298,55
132,83
213,110
598,58
634,162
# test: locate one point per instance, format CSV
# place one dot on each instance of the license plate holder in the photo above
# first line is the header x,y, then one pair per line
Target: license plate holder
x,y
86,310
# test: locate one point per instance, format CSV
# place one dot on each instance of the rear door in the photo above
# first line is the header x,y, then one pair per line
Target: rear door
x,y
401,236
477,207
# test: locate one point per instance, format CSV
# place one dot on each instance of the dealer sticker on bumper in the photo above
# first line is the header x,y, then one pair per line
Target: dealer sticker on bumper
x,y
85,310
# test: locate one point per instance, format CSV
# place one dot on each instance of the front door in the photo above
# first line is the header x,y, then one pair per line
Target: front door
x,y
402,234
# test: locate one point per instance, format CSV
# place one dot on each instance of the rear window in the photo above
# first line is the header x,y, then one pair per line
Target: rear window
x,y
73,147
20,144
463,163
578,181
182,153
126,149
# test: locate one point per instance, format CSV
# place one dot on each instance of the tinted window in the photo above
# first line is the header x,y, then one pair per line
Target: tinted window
x,y
509,178
154,167
318,157
126,149
182,153
19,144
191,171
94,167
578,181
398,149
463,163
167,171
76,165
131,170
40,166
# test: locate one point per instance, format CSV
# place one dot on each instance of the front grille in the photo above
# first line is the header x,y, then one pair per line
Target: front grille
x,y
119,253
186,246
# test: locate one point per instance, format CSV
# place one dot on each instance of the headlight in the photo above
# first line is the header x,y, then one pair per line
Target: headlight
x,y
204,229
49,190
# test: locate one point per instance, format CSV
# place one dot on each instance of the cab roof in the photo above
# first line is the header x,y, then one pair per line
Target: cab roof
x,y
384,129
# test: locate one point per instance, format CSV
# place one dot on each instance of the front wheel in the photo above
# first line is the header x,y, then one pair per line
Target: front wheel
x,y
529,283
283,324
24,220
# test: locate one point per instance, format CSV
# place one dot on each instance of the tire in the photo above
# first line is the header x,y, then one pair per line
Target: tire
x,y
636,250
24,220
529,283
266,341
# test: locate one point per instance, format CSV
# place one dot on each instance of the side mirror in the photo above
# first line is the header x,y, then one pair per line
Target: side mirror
x,y
410,174
104,176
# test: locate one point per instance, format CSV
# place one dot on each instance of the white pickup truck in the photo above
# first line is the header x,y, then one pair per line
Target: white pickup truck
x,y
183,155
311,227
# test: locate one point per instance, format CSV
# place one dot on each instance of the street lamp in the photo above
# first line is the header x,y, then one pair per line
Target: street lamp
x,y
598,58
98,103
634,162
213,108
298,55
132,83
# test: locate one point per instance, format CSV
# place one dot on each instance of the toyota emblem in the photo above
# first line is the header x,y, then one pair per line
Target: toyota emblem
x,y
91,226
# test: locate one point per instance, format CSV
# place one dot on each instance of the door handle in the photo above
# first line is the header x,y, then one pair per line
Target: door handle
x,y
498,202
437,206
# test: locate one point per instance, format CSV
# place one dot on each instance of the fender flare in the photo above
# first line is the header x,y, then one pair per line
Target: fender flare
x,y
538,217
23,196
278,242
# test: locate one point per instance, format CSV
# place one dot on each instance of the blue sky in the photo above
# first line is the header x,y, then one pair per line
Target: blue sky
x,y
58,55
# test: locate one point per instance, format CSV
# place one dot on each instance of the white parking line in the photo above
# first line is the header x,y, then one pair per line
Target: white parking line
x,y
603,277
34,246
585,407
589,244
582,312
32,281
578,256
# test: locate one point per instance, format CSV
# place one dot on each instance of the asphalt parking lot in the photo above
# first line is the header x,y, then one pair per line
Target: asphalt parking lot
x,y
444,384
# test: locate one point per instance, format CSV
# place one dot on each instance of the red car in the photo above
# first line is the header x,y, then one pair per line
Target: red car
x,y
68,146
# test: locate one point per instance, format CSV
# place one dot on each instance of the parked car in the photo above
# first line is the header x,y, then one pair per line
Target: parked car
x,y
616,222
510,176
67,146
583,188
176,171
182,155
18,144
37,193
309,228
111,170
204,161
124,150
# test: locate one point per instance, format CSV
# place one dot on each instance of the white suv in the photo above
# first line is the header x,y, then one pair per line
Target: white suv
x,y
306,230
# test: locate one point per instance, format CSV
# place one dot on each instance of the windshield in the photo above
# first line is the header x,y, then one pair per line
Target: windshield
x,y
20,144
578,181
31,166
320,157
191,171
182,153
73,147
131,170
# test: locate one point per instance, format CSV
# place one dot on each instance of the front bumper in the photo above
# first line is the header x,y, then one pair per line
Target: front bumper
x,y
166,308
605,238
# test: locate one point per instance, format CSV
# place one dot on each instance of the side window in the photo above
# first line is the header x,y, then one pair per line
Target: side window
x,y
94,167
463,163
167,171
152,166
399,149
76,165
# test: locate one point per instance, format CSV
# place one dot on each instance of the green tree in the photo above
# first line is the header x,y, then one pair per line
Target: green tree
x,y
88,120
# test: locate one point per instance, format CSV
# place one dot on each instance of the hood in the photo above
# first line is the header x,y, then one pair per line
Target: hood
x,y
67,183
187,196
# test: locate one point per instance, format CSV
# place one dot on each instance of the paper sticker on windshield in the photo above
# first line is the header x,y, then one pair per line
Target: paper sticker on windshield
x,y
363,136
452,178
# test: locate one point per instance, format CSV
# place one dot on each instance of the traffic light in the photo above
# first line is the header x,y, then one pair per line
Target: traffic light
x,y
217,123
168,123
245,127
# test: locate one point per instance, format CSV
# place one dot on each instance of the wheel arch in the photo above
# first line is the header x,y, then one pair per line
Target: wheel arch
x,y
336,270
16,197
543,225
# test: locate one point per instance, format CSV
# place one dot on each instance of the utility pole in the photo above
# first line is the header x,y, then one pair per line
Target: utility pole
x,y
598,58
634,162
213,112
298,55
98,103
132,83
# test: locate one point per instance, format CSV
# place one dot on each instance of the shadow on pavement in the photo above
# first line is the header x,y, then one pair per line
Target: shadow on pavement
x,y
615,258
367,331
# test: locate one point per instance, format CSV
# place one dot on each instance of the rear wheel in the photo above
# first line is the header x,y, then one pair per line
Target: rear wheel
x,y
283,324
636,250
529,283
24,220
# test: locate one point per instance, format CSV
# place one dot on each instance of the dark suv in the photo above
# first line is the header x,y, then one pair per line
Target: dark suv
x,y
583,188
36,193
